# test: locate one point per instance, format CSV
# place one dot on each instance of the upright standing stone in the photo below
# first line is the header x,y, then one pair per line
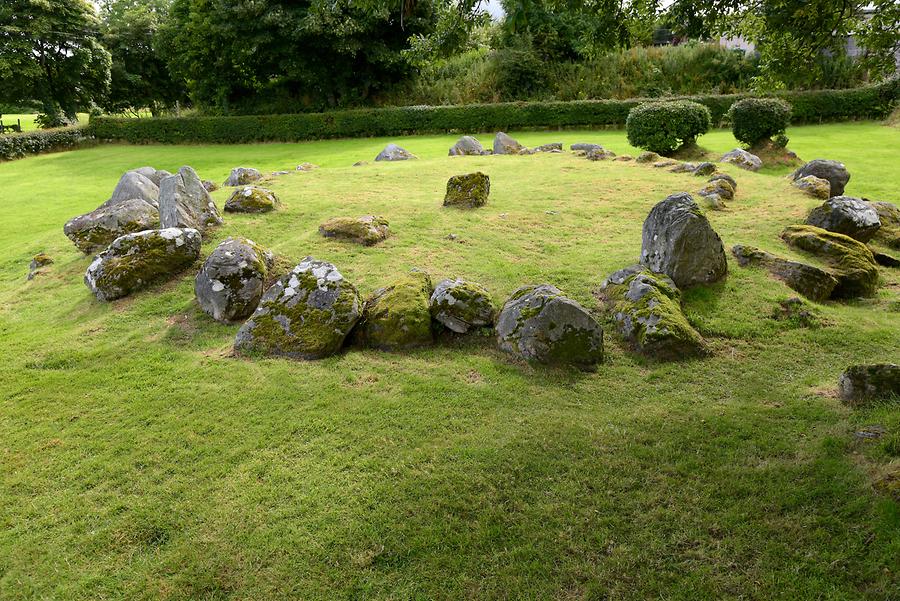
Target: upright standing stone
x,y
230,283
184,202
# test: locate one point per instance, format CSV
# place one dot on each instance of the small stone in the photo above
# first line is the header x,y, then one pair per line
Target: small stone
x,y
833,171
360,163
814,186
583,148
461,305
705,169
551,147
392,152
241,176
600,154
251,199
210,186
647,157
398,316
504,144
885,259
232,280
889,216
795,310
743,159
861,384
37,262
870,432
810,281
724,177
466,146
306,167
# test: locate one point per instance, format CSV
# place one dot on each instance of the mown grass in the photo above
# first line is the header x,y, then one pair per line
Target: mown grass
x,y
140,460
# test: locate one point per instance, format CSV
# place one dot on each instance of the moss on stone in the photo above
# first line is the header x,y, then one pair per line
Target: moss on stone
x,y
468,191
398,316
367,230
251,199
460,304
851,262
889,232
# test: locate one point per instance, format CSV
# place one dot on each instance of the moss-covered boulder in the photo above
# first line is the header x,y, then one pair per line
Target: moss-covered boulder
x,y
646,308
599,154
539,324
232,280
850,261
185,203
241,176
366,230
647,157
704,169
392,152
724,177
678,240
251,199
38,262
398,316
861,384
134,261
833,171
814,186
307,314
466,146
853,217
889,216
812,282
743,159
461,305
96,230
468,191
721,187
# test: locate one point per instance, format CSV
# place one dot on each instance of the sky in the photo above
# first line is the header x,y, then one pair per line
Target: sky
x,y
494,8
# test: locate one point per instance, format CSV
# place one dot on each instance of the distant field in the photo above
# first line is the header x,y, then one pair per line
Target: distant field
x,y
140,460
27,120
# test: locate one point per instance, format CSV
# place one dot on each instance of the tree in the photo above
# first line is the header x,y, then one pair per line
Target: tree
x,y
280,55
50,52
139,76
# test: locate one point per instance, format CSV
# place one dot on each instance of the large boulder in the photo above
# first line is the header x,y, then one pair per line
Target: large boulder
x,y
814,186
466,146
184,202
646,307
135,184
398,316
889,216
853,217
541,325
366,230
251,199
232,280
468,191
504,144
863,383
833,171
743,159
392,152
849,260
134,261
241,176
307,314
461,305
151,173
679,242
812,282
95,230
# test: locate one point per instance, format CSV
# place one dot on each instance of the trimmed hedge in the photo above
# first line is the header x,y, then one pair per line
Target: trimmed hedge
x,y
872,102
756,119
16,146
663,127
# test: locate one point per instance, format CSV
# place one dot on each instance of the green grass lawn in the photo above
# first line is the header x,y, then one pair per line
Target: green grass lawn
x,y
27,120
140,460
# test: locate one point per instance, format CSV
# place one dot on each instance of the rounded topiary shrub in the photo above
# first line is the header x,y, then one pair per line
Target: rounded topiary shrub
x,y
754,120
664,127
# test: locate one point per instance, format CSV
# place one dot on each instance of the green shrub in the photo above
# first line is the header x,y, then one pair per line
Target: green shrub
x,y
16,146
518,74
871,102
756,119
663,127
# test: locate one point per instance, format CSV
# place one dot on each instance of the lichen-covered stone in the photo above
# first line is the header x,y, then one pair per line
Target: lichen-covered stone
x,y
550,147
724,177
136,184
810,281
306,167
541,325
461,305
37,262
466,146
713,201
231,282
134,261
624,158
398,316
743,159
210,186
814,186
647,157
662,164
720,187
705,168
646,307
392,152
307,314
251,199
185,203
889,216
833,171
599,154
583,147
846,215
797,312
679,241
861,384
683,168
366,230
95,230
850,261
241,176
468,191
504,144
